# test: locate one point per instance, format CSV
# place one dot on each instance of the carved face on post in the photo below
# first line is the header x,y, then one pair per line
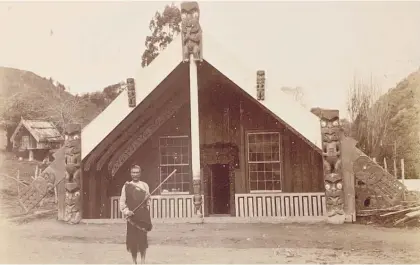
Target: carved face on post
x,y
131,91
191,31
333,185
330,128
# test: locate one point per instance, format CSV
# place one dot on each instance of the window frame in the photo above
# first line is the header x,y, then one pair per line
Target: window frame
x,y
279,161
174,165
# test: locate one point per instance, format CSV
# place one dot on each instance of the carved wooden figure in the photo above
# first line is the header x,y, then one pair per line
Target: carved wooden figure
x,y
191,31
331,153
73,173
131,91
260,84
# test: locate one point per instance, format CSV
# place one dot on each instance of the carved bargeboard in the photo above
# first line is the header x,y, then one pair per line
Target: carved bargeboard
x,y
72,159
375,187
191,31
135,142
260,85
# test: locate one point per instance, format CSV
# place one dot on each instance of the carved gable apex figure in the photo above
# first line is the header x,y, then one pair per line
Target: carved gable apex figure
x,y
191,31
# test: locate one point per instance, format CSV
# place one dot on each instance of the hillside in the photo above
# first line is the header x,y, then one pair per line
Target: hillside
x,y
25,94
405,121
40,90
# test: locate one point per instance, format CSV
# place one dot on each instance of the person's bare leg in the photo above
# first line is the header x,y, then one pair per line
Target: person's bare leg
x,y
134,256
143,257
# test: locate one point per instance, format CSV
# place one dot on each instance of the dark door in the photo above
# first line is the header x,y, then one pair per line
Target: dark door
x,y
220,192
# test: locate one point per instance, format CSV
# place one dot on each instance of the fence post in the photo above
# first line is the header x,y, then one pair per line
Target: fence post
x,y
402,170
385,165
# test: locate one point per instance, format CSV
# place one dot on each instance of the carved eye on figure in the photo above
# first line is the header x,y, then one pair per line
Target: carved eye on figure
x,y
195,14
77,193
335,123
339,186
327,186
323,123
76,137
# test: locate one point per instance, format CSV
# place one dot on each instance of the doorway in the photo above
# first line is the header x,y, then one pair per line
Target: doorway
x,y
219,189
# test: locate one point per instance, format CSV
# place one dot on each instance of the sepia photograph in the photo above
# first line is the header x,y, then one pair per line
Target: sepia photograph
x,y
209,132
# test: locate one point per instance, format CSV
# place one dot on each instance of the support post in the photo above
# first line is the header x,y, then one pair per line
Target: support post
x,y
192,51
331,153
195,138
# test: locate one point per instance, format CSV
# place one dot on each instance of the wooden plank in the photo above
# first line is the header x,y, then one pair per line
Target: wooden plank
x,y
287,164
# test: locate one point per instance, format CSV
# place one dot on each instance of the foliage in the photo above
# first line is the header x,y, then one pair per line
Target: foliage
x,y
382,123
164,27
369,115
29,96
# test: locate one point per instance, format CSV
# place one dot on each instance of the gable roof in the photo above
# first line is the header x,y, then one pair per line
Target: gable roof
x,y
278,102
42,131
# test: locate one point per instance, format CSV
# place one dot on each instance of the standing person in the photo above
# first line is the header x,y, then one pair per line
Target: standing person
x,y
139,222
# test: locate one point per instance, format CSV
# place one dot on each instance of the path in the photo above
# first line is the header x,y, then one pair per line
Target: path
x,y
49,241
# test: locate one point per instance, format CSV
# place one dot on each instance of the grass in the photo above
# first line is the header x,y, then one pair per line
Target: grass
x,y
9,168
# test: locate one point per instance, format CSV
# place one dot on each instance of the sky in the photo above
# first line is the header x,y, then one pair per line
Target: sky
x,y
319,46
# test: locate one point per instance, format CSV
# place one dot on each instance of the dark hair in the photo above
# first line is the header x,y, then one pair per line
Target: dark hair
x,y
135,166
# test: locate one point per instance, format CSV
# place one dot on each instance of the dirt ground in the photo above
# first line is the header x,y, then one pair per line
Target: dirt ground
x,y
49,241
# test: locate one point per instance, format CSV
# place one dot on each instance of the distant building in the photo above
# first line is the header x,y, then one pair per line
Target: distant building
x,y
36,139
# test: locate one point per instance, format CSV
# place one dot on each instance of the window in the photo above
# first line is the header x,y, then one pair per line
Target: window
x,y
174,154
264,165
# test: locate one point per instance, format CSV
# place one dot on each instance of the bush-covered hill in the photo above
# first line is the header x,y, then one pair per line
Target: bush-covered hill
x,y
30,96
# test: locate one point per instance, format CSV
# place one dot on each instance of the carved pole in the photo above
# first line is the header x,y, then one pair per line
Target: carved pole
x,y
331,154
191,40
72,160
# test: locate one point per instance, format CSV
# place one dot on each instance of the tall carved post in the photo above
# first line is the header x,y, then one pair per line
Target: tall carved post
x,y
72,160
331,153
191,39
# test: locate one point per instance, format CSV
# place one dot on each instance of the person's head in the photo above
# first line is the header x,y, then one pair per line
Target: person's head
x,y
135,172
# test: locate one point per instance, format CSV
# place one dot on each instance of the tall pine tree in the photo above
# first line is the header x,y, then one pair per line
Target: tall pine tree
x,y
164,27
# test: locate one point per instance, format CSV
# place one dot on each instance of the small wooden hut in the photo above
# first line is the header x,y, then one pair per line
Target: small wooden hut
x,y
36,139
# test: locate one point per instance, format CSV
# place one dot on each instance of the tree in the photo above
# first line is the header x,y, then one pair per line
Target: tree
x,y
165,27
19,105
369,115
